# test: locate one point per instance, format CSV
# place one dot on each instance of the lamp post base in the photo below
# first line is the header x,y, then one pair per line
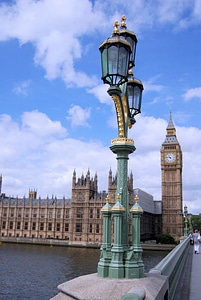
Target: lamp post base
x,y
103,268
133,270
134,267
116,269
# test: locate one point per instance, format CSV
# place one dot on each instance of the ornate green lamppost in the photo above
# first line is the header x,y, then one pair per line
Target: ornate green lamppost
x,y
118,59
185,221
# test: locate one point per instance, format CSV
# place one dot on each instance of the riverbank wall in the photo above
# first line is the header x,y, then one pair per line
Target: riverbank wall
x,y
58,242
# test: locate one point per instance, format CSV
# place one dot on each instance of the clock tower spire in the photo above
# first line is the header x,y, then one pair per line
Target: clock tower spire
x,y
171,171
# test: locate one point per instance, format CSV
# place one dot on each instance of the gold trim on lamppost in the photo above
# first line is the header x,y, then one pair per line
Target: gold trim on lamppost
x,y
136,207
107,206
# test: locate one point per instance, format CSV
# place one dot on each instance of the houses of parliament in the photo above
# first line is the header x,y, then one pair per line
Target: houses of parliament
x,y
78,221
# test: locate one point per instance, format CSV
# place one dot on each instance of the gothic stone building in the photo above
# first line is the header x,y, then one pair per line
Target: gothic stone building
x,y
77,221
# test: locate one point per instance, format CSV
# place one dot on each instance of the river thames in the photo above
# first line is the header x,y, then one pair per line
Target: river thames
x,y
33,272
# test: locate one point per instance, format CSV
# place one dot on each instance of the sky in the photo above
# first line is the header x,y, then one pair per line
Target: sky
x,y
55,113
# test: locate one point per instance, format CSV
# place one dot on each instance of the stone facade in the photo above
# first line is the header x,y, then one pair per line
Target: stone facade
x,y
78,220
171,169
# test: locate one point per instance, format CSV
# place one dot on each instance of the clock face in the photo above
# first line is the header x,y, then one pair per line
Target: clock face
x,y
170,157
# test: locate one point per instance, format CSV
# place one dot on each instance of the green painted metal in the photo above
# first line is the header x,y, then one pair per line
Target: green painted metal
x,y
186,227
116,268
122,151
121,260
105,259
131,296
137,271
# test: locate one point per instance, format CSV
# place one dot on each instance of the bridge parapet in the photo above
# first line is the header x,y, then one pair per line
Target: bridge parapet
x,y
172,266
160,283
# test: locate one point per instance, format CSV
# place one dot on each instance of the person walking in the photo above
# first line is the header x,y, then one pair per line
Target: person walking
x,y
196,238
191,238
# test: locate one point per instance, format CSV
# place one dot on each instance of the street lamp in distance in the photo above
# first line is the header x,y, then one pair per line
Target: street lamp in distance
x,y
185,221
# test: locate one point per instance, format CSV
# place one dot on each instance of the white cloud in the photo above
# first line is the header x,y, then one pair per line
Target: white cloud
x,y
22,88
192,93
29,139
100,92
55,28
149,134
143,133
169,12
150,86
78,116
39,124
37,152
46,161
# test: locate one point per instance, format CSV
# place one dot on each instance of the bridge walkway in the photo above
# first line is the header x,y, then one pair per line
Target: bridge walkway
x,y
195,278
189,287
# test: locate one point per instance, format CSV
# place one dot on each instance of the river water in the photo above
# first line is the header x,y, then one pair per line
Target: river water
x,y
33,272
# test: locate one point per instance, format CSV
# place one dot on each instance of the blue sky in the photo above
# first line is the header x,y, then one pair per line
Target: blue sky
x,y
56,115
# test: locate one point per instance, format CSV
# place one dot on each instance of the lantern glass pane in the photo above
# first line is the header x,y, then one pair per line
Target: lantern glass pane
x,y
137,96
123,61
104,62
115,57
134,99
133,47
130,92
112,59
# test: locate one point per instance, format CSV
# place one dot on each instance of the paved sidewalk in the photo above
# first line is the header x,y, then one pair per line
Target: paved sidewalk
x,y
189,286
195,278
183,288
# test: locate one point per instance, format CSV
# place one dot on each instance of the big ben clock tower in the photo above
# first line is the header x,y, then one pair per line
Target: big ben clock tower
x,y
171,169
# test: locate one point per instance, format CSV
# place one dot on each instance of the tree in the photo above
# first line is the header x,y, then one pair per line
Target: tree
x,y
165,239
196,222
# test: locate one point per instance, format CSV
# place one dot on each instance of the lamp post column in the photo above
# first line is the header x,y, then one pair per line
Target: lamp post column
x,y
103,265
123,147
185,221
136,211
116,268
186,227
